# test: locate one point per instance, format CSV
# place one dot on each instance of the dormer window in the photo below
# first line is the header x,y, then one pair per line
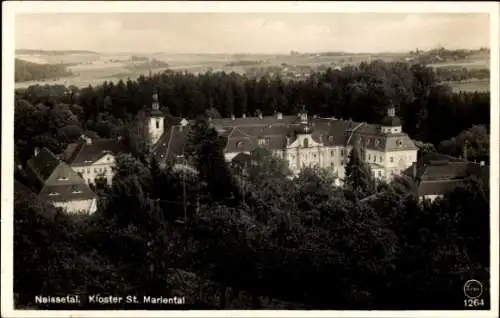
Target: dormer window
x,y
306,142
75,190
239,144
62,179
399,142
53,194
88,161
330,138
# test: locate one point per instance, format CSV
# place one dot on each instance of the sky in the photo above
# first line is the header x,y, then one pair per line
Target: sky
x,y
267,33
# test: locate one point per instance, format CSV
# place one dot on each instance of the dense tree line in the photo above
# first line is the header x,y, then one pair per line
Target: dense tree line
x,y
360,93
302,241
28,71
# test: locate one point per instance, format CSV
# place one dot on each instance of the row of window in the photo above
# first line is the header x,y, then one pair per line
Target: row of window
x,y
96,170
73,190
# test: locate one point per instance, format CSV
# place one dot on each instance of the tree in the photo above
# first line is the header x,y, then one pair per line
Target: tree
x,y
205,151
473,142
358,174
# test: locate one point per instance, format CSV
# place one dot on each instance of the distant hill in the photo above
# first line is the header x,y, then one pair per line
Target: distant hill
x,y
56,52
28,71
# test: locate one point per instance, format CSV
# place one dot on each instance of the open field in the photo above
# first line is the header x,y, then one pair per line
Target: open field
x,y
94,68
471,86
471,64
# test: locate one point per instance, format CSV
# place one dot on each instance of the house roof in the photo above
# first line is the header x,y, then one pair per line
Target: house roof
x,y
437,187
65,193
171,143
43,164
438,174
55,176
82,153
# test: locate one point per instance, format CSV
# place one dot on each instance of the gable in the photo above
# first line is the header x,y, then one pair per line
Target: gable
x,y
106,159
63,175
301,139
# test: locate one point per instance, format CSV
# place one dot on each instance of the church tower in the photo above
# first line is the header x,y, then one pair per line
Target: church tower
x,y
156,120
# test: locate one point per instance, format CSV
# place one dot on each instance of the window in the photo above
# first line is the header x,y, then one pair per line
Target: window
x,y
75,190
108,158
392,159
399,142
380,159
342,152
239,144
51,194
88,170
62,179
314,156
331,164
261,141
377,142
157,124
379,173
306,142
330,138
88,161
369,157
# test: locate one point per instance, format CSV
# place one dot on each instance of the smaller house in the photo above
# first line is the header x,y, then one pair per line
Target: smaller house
x,y
437,174
56,183
93,158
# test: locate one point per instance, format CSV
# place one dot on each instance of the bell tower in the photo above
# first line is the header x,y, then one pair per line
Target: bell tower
x,y
156,120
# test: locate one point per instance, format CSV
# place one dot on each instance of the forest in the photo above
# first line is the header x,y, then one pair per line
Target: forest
x,y
28,71
229,237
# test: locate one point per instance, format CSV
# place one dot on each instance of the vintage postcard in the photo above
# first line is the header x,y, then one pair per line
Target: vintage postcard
x,y
250,159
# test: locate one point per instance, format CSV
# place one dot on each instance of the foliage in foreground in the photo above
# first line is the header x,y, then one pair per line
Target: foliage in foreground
x,y
285,240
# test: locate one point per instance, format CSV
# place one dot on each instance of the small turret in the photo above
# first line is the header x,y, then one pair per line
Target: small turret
x,y
391,123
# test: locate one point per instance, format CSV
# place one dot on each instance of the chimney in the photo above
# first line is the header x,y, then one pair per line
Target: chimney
x,y
37,150
244,116
232,117
279,116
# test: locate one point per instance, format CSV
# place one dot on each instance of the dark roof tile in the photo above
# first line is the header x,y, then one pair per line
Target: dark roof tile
x,y
43,164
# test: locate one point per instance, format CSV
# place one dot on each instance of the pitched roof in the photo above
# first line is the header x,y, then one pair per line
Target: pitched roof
x,y
55,176
43,164
83,153
65,193
171,143
438,187
438,173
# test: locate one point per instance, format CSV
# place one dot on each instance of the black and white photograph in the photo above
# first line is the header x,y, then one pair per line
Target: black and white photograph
x,y
275,160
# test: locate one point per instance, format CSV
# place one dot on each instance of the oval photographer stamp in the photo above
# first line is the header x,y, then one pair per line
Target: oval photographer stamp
x,y
473,289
